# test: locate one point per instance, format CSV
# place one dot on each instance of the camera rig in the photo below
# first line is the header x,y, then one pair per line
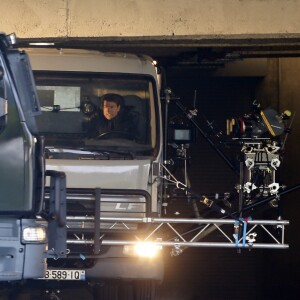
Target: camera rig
x,y
260,137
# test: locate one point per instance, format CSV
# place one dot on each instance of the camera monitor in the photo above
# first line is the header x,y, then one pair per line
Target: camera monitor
x,y
181,135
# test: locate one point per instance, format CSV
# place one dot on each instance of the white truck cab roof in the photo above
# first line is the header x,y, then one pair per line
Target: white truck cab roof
x,y
80,60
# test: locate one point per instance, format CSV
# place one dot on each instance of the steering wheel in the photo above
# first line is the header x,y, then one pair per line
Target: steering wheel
x,y
122,134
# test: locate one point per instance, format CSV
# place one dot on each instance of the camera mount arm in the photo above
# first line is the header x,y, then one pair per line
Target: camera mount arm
x,y
207,138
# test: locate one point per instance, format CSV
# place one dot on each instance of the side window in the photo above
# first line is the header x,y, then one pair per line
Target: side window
x,y
3,101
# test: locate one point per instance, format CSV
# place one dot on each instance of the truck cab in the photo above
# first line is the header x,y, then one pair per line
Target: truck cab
x,y
23,241
111,177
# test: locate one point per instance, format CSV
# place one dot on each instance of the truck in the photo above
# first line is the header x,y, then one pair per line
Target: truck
x,y
112,178
23,239
44,141
50,160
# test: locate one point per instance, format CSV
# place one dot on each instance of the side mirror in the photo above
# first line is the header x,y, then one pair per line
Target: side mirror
x,y
3,114
3,102
88,108
3,107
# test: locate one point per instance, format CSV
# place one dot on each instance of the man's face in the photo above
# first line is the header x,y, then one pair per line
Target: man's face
x,y
110,109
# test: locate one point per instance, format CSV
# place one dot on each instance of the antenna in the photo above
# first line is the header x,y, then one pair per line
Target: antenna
x,y
195,99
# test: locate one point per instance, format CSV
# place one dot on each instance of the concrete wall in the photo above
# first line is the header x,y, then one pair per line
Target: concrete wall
x,y
100,18
289,98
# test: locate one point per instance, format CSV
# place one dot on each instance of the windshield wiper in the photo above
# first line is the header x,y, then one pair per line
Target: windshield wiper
x,y
86,154
65,153
112,154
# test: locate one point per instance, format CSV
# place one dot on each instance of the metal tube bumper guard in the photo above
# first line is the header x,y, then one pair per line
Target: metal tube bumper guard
x,y
85,211
87,207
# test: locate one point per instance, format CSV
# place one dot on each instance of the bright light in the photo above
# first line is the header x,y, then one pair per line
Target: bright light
x,y
12,38
41,44
142,249
34,235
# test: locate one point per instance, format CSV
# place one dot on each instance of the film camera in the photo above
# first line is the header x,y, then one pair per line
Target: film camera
x,y
265,123
259,133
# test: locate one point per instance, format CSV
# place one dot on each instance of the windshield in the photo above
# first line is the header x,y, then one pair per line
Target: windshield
x,y
97,112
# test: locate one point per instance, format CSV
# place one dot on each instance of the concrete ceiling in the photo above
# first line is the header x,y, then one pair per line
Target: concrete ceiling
x,y
201,51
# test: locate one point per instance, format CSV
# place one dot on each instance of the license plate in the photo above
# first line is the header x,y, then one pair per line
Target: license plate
x,y
63,274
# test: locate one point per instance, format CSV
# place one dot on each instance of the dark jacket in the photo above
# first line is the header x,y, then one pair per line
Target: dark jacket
x,y
125,125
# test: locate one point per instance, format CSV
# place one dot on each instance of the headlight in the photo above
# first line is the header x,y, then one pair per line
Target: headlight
x,y
142,249
34,235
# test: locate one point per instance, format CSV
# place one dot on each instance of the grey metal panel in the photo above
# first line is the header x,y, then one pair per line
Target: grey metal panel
x,y
11,250
12,187
17,149
34,261
19,261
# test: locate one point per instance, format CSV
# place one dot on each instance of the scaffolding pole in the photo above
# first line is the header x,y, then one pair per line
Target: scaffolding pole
x,y
255,234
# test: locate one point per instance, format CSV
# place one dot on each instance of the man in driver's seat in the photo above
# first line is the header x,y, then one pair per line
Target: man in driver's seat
x,y
115,119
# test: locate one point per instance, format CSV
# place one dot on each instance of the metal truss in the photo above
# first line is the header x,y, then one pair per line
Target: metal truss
x,y
177,233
